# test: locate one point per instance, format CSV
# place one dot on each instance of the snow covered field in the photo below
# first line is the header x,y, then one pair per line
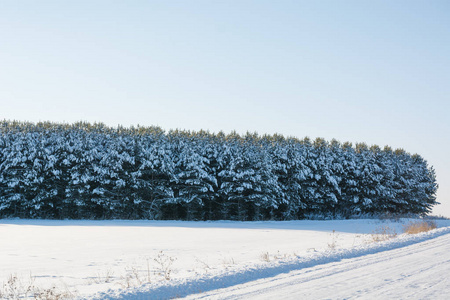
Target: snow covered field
x,y
164,259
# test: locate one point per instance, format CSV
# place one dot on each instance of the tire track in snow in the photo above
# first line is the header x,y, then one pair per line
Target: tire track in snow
x,y
183,288
417,271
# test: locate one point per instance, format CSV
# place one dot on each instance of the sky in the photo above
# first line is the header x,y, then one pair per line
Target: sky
x,y
361,71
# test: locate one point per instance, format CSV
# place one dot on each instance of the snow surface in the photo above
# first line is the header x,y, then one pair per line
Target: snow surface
x,y
418,271
116,259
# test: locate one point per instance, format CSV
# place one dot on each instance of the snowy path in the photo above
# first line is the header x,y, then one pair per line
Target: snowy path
x,y
418,271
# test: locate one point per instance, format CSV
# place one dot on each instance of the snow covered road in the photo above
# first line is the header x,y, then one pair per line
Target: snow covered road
x,y
418,271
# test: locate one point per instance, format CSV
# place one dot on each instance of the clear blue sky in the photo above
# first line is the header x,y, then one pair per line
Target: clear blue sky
x,y
359,71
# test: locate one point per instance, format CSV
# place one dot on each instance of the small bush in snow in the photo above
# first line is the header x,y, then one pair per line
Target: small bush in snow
x,y
383,233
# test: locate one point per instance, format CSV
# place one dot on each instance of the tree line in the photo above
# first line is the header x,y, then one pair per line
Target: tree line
x,y
92,171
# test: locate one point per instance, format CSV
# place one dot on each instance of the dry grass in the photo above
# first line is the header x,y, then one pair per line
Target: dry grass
x,y
383,233
419,226
333,244
16,288
265,256
164,264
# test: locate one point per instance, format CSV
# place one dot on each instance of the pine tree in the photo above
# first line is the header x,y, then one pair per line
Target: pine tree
x,y
85,170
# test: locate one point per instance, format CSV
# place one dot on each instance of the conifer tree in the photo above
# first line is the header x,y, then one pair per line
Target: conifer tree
x,y
85,170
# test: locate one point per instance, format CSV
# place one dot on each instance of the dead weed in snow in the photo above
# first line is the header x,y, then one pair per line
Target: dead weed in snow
x,y
419,226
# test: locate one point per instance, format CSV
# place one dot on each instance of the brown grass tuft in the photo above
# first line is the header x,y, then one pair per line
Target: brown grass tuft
x,y
419,226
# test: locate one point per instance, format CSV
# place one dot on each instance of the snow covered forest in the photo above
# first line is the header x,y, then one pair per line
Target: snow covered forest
x,y
91,171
